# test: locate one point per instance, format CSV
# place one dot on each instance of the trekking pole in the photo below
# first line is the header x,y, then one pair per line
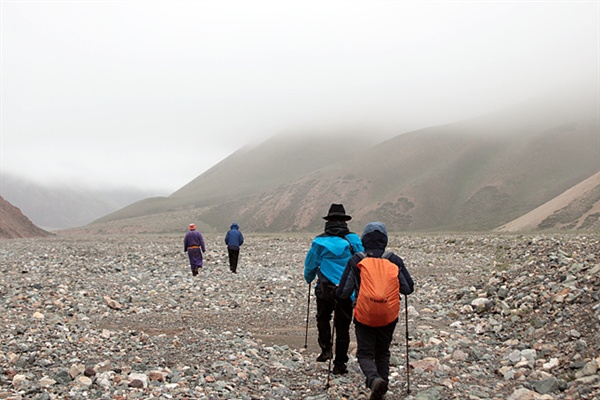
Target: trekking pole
x,y
307,315
331,358
407,362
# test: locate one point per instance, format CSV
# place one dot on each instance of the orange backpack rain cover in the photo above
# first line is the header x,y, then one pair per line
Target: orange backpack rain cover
x,y
378,302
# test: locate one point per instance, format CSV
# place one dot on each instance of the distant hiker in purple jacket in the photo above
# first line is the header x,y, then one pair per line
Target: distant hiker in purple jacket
x,y
193,244
234,239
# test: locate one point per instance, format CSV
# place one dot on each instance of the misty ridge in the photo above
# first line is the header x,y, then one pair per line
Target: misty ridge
x,y
473,175
58,206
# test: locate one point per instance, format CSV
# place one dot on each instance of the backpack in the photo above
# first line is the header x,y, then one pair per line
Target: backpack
x,y
378,302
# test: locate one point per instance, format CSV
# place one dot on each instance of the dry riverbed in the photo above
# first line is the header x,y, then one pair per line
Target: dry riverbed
x,y
120,317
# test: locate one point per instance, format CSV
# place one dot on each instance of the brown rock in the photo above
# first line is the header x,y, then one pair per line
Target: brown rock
x,y
136,383
156,376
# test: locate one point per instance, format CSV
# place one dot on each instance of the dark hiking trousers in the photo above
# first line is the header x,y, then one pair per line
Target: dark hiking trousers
x,y
327,305
234,255
373,350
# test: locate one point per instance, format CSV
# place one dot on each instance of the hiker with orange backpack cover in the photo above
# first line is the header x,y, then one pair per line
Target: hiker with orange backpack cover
x,y
384,276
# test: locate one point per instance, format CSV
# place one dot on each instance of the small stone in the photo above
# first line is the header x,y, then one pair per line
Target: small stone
x,y
136,383
459,355
19,381
549,385
83,381
553,363
76,369
47,382
156,376
480,302
115,305
38,315
523,394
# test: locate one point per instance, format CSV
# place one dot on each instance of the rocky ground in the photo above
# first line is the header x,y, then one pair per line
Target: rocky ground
x,y
120,317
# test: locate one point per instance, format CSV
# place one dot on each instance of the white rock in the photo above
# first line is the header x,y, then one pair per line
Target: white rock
x,y
553,363
83,380
19,380
46,382
479,302
523,394
76,370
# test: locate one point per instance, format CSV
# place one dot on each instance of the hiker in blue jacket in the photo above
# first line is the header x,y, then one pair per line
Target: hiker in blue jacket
x,y
326,260
234,239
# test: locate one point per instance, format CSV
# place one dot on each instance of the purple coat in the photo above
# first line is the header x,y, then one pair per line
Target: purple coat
x,y
193,244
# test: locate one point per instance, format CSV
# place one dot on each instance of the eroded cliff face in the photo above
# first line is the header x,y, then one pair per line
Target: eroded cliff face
x,y
14,225
576,209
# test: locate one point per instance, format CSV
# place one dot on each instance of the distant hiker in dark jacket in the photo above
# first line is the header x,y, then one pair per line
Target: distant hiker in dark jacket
x,y
234,239
326,260
193,244
373,351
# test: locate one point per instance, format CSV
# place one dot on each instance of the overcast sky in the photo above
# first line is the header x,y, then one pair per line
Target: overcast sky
x,y
153,93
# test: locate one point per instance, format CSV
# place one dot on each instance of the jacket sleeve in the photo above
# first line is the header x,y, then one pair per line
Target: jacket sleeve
x,y
241,239
227,237
311,264
407,286
410,285
350,280
202,246
356,245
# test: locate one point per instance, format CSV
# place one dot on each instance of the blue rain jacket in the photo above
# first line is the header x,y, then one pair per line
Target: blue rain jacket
x,y
234,238
328,256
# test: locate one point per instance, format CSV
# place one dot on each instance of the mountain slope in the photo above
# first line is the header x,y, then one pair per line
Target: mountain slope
x,y
252,170
15,225
472,175
578,207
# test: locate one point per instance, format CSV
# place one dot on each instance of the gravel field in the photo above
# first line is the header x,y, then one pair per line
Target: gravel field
x,y
120,317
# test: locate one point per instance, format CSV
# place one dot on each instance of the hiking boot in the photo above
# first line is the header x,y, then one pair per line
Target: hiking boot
x,y
324,356
378,388
195,271
340,369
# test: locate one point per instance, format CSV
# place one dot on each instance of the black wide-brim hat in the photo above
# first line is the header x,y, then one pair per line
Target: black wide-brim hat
x,y
337,212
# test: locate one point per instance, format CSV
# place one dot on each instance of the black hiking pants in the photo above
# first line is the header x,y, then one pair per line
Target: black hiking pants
x,y
234,255
373,351
327,305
